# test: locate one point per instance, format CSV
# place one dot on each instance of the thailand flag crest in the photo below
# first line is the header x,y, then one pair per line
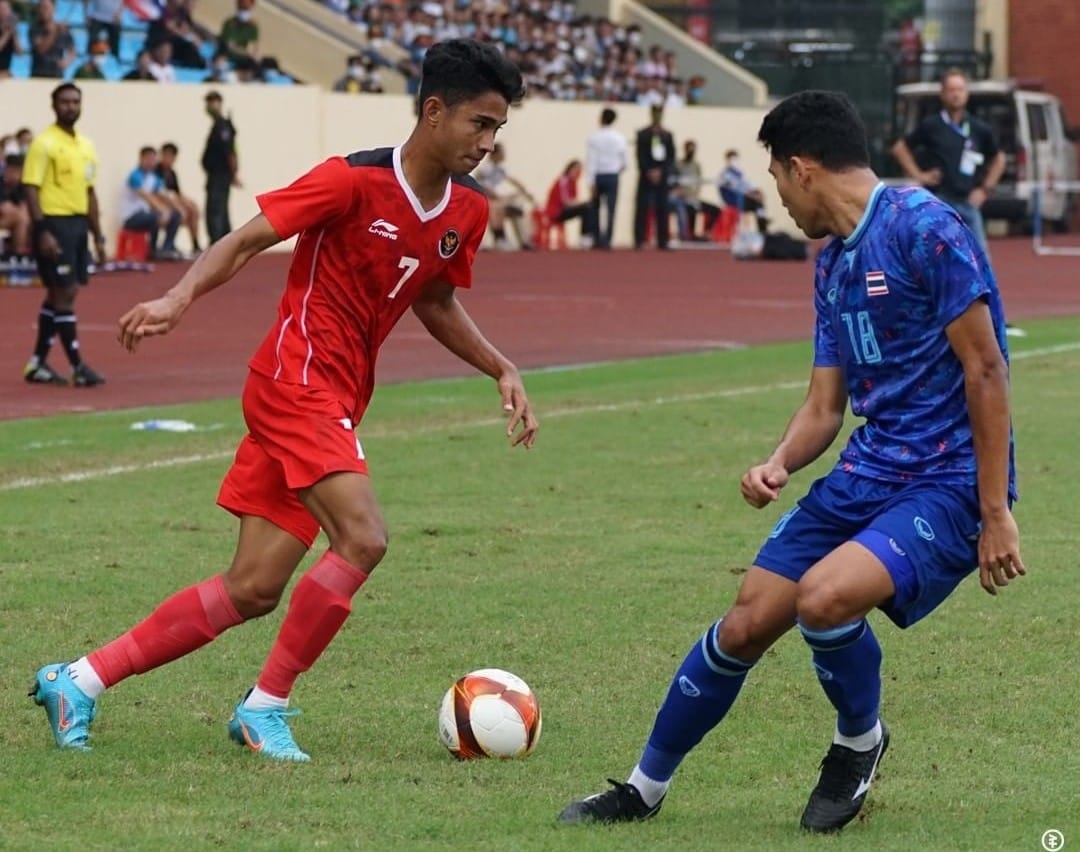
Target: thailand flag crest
x,y
875,284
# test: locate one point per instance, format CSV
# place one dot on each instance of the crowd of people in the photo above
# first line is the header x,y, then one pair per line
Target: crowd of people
x,y
174,46
561,54
668,187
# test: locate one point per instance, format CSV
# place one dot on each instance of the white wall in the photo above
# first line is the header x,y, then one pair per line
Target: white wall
x,y
284,130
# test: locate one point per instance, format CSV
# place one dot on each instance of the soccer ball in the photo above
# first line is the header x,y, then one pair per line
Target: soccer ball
x,y
489,713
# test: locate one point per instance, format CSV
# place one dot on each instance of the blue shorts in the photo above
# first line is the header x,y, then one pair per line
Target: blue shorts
x,y
926,535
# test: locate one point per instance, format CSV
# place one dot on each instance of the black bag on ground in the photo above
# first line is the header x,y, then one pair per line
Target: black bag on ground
x,y
783,247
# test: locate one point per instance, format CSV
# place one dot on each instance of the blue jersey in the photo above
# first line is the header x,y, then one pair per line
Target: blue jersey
x,y
883,298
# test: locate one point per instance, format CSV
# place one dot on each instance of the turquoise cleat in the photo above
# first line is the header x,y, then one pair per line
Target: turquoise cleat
x,y
266,732
70,710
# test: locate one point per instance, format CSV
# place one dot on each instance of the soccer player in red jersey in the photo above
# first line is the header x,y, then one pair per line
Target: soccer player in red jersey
x,y
377,232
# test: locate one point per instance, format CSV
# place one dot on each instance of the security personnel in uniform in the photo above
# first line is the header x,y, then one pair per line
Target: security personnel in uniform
x,y
656,165
58,176
219,163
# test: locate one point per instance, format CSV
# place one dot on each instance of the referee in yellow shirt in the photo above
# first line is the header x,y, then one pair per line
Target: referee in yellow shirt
x,y
59,177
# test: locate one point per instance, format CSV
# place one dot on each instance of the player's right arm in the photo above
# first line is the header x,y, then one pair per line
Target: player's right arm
x,y
810,432
211,269
313,199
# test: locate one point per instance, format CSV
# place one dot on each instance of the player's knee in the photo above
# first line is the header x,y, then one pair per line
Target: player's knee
x,y
253,597
820,606
361,543
740,636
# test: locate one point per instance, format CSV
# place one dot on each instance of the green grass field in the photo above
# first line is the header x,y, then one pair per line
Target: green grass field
x,y
587,566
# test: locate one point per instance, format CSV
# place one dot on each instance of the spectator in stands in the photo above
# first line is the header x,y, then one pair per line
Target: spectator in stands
x,y
185,206
23,137
686,195
14,212
175,25
563,204
360,76
656,165
161,65
240,34
606,156
93,68
144,206
53,48
9,37
141,71
737,191
220,164
695,90
103,18
507,197
221,70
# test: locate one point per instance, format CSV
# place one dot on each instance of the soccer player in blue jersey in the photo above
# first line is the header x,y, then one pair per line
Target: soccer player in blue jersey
x,y
909,328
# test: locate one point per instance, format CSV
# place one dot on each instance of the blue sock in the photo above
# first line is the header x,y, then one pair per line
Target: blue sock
x,y
701,693
847,660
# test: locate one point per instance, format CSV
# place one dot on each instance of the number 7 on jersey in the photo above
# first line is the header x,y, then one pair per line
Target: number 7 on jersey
x,y
410,265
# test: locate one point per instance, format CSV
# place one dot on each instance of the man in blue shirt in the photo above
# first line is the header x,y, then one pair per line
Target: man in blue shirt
x,y
145,206
909,328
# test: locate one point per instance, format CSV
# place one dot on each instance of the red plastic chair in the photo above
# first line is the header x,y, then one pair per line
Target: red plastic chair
x,y
132,246
726,224
545,231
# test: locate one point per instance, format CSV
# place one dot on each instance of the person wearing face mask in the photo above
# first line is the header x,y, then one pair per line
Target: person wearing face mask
x,y
737,191
221,70
240,34
355,75
93,67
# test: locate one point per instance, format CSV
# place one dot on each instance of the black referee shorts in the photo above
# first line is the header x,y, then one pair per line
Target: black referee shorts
x,y
71,267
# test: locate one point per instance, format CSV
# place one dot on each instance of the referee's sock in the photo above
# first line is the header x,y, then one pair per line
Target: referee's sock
x,y
45,330
69,336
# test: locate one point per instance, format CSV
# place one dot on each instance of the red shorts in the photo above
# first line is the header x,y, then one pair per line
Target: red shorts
x,y
296,436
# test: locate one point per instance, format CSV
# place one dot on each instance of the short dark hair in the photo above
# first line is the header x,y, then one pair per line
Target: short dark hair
x,y
823,126
461,69
607,116
170,147
13,161
63,87
954,71
147,149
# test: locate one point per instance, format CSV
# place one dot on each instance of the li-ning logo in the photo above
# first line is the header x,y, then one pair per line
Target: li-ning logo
x,y
384,229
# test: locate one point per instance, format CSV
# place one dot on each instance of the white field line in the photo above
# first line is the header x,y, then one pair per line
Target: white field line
x,y
600,408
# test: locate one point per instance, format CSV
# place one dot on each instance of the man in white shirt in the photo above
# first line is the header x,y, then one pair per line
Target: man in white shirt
x,y
606,155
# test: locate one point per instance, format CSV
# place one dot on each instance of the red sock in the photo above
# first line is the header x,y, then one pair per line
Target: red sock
x,y
186,621
319,605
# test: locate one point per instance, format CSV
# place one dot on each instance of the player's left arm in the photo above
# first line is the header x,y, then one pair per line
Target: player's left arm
x,y
449,323
986,385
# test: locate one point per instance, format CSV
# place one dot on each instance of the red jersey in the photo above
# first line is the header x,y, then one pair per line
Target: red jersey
x,y
365,251
563,194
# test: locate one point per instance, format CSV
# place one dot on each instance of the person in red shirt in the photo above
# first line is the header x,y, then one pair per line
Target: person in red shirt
x,y
562,201
377,232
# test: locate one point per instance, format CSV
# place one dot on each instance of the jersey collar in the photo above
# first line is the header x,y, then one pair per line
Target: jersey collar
x,y
868,214
418,208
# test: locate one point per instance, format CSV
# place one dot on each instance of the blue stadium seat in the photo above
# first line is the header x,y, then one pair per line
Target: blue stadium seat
x,y
20,65
131,42
71,12
190,75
